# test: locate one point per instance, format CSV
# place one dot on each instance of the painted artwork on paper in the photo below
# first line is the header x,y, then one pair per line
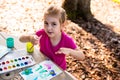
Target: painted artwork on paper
x,y
45,70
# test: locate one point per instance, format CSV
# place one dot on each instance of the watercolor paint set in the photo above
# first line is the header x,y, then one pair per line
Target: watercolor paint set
x,y
44,70
16,63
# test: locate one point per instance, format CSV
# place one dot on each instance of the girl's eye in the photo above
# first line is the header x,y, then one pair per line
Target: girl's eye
x,y
45,23
54,24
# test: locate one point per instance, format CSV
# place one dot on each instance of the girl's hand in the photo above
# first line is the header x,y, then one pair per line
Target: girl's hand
x,y
34,39
65,51
76,53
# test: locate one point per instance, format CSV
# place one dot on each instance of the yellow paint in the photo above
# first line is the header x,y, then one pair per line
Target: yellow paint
x,y
29,47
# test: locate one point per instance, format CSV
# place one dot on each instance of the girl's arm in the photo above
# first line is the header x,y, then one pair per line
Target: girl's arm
x,y
29,38
25,38
76,53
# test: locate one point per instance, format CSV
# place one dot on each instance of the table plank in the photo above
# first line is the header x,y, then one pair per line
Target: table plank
x,y
2,40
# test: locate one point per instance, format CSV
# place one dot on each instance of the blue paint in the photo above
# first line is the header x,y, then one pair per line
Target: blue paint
x,y
52,72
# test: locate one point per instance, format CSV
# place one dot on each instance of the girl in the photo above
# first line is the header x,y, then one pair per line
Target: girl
x,y
54,43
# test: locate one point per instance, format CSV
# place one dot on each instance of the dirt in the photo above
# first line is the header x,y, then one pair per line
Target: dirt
x,y
99,38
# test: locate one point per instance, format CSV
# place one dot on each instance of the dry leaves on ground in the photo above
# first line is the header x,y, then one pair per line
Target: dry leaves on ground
x,y
99,41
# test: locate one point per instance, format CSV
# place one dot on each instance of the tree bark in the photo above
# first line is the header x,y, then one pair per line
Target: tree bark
x,y
78,8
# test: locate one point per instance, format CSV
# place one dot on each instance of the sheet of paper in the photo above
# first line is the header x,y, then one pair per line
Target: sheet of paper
x,y
42,71
4,50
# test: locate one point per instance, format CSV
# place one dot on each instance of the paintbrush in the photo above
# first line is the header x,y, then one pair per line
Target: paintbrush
x,y
32,47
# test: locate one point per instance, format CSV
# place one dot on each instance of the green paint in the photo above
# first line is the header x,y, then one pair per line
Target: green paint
x,y
40,67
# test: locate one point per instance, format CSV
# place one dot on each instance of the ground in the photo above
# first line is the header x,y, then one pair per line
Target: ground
x,y
99,38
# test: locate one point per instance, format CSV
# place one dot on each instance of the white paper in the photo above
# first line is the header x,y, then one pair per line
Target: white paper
x,y
42,71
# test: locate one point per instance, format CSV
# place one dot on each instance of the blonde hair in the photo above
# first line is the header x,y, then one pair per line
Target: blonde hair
x,y
54,11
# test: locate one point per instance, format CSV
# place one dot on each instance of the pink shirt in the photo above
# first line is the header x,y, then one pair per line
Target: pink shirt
x,y
47,49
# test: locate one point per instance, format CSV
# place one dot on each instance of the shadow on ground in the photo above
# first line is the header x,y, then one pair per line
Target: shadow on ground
x,y
104,33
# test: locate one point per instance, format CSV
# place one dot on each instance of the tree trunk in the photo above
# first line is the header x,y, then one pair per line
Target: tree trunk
x,y
78,8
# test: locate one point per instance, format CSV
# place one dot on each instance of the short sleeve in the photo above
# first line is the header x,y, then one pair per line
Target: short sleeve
x,y
69,42
39,32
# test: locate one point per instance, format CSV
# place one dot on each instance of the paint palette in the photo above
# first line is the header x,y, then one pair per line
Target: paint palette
x,y
16,63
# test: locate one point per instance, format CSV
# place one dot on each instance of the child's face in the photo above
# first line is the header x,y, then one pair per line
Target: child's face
x,y
52,26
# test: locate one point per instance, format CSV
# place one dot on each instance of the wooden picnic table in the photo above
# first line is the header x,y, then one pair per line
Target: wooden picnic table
x,y
37,55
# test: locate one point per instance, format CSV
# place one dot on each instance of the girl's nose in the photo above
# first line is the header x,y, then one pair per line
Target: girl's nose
x,y
49,27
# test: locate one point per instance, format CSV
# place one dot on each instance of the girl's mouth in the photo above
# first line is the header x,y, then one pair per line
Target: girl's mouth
x,y
50,32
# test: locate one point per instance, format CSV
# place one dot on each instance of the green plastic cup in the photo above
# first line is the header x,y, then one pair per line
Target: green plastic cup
x,y
10,42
